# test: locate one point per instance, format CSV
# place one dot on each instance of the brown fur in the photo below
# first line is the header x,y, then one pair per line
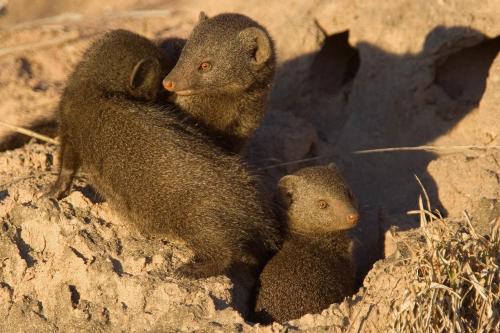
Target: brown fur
x,y
229,98
315,267
155,168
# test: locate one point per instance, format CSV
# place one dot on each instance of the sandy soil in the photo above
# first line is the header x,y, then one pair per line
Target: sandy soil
x,y
352,75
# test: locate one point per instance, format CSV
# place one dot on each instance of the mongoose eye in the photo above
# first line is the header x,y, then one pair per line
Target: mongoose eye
x,y
205,66
323,204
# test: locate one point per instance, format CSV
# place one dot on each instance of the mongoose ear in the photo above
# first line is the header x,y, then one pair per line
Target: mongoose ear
x,y
286,189
145,76
202,17
288,184
258,42
332,166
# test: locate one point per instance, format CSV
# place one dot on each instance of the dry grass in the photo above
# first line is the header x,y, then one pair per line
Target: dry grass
x,y
29,133
71,36
437,149
456,276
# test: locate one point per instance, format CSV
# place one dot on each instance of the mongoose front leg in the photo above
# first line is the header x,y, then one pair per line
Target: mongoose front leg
x,y
68,167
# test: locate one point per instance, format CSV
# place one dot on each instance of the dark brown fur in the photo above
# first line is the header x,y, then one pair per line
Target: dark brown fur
x,y
152,166
314,268
229,98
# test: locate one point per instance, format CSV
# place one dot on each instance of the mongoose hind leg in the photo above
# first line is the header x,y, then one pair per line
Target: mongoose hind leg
x,y
68,167
200,268
212,257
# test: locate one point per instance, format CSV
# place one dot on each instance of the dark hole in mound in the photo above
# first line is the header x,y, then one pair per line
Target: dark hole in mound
x,y
220,304
25,69
24,249
117,266
3,9
3,194
463,74
336,63
75,295
79,254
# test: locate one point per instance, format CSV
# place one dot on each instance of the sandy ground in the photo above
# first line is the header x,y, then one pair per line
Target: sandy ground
x,y
352,75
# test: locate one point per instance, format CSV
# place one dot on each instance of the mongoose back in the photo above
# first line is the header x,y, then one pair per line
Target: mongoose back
x,y
314,268
156,169
223,76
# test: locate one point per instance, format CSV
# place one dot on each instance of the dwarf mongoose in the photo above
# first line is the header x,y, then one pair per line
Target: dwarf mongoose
x,y
223,76
314,268
154,167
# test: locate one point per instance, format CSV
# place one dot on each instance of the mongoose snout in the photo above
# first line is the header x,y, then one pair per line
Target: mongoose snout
x,y
341,211
173,87
169,85
353,219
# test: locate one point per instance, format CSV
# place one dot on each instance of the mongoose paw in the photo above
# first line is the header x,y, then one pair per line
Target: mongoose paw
x,y
263,317
55,192
197,270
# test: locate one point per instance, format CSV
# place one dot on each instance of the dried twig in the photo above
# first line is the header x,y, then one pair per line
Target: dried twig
x,y
425,148
139,13
291,162
38,45
428,201
29,133
394,149
66,17
47,139
77,17
71,17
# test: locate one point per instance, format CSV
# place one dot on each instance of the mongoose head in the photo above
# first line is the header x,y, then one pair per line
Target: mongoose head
x,y
318,201
124,62
225,54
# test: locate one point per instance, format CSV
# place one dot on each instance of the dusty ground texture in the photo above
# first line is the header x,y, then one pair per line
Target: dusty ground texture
x,y
353,75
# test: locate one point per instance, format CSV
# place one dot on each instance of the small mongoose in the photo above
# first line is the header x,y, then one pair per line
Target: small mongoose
x,y
223,76
154,167
314,268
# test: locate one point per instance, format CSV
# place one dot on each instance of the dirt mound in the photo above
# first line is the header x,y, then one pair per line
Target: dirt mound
x,y
73,265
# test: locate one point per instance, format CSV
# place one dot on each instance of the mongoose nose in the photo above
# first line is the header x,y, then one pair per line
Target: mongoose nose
x,y
353,218
169,85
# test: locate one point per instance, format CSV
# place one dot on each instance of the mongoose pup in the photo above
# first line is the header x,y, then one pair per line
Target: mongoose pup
x,y
223,76
314,268
155,168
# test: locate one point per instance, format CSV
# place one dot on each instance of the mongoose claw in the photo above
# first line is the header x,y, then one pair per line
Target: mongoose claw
x,y
57,193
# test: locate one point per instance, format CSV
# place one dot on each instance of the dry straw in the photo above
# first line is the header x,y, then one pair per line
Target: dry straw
x,y
71,36
455,273
438,149
38,136
30,133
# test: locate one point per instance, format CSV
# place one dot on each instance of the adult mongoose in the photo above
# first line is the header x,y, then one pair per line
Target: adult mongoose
x,y
223,76
314,268
152,165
